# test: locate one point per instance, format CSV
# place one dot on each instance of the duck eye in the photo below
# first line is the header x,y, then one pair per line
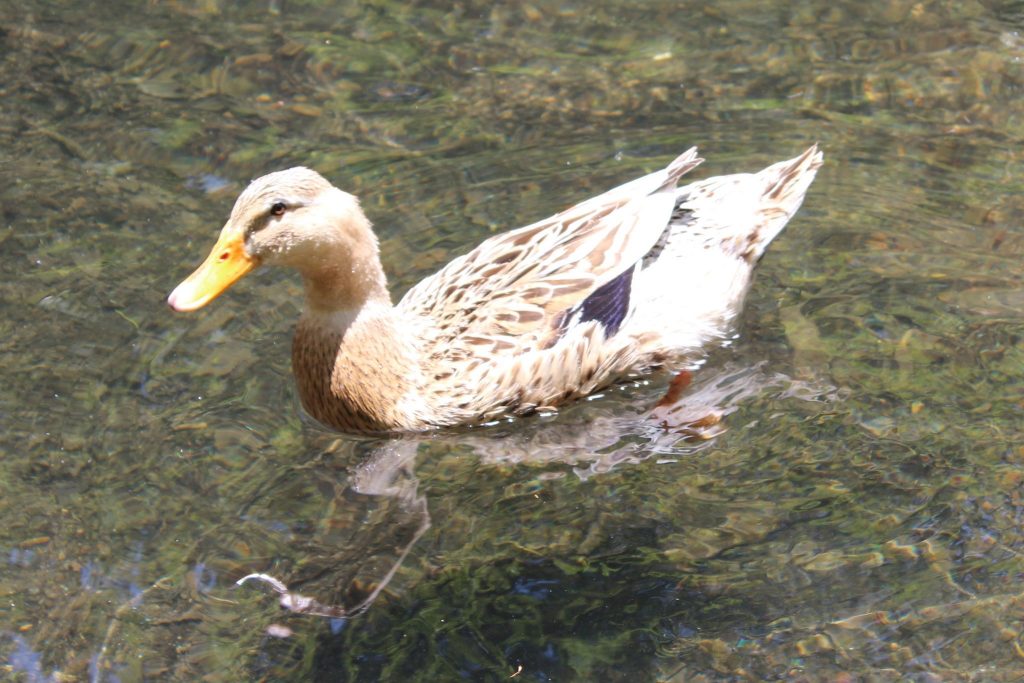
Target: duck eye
x,y
277,209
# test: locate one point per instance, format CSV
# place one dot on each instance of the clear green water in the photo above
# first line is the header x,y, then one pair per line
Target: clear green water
x,y
857,518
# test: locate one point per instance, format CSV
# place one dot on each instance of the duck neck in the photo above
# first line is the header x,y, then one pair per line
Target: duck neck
x,y
344,285
353,359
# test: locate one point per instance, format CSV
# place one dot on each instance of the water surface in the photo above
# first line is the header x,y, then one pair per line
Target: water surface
x,y
855,511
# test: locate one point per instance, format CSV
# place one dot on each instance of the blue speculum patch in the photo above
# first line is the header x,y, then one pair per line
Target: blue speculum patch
x,y
609,303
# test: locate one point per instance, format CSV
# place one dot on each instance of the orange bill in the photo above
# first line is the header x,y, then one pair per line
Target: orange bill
x,y
225,265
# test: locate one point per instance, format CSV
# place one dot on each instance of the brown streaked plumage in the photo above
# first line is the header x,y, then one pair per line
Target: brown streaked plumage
x,y
641,276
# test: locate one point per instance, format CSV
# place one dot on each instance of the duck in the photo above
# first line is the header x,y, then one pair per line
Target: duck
x,y
640,278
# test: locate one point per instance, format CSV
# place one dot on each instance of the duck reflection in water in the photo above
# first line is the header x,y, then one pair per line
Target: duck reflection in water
x,y
358,553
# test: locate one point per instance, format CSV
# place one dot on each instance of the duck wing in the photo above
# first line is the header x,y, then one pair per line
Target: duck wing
x,y
522,289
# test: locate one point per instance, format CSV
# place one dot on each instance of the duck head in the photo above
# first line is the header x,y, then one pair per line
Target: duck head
x,y
292,218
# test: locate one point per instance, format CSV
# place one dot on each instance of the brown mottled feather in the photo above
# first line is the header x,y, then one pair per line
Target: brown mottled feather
x,y
514,285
